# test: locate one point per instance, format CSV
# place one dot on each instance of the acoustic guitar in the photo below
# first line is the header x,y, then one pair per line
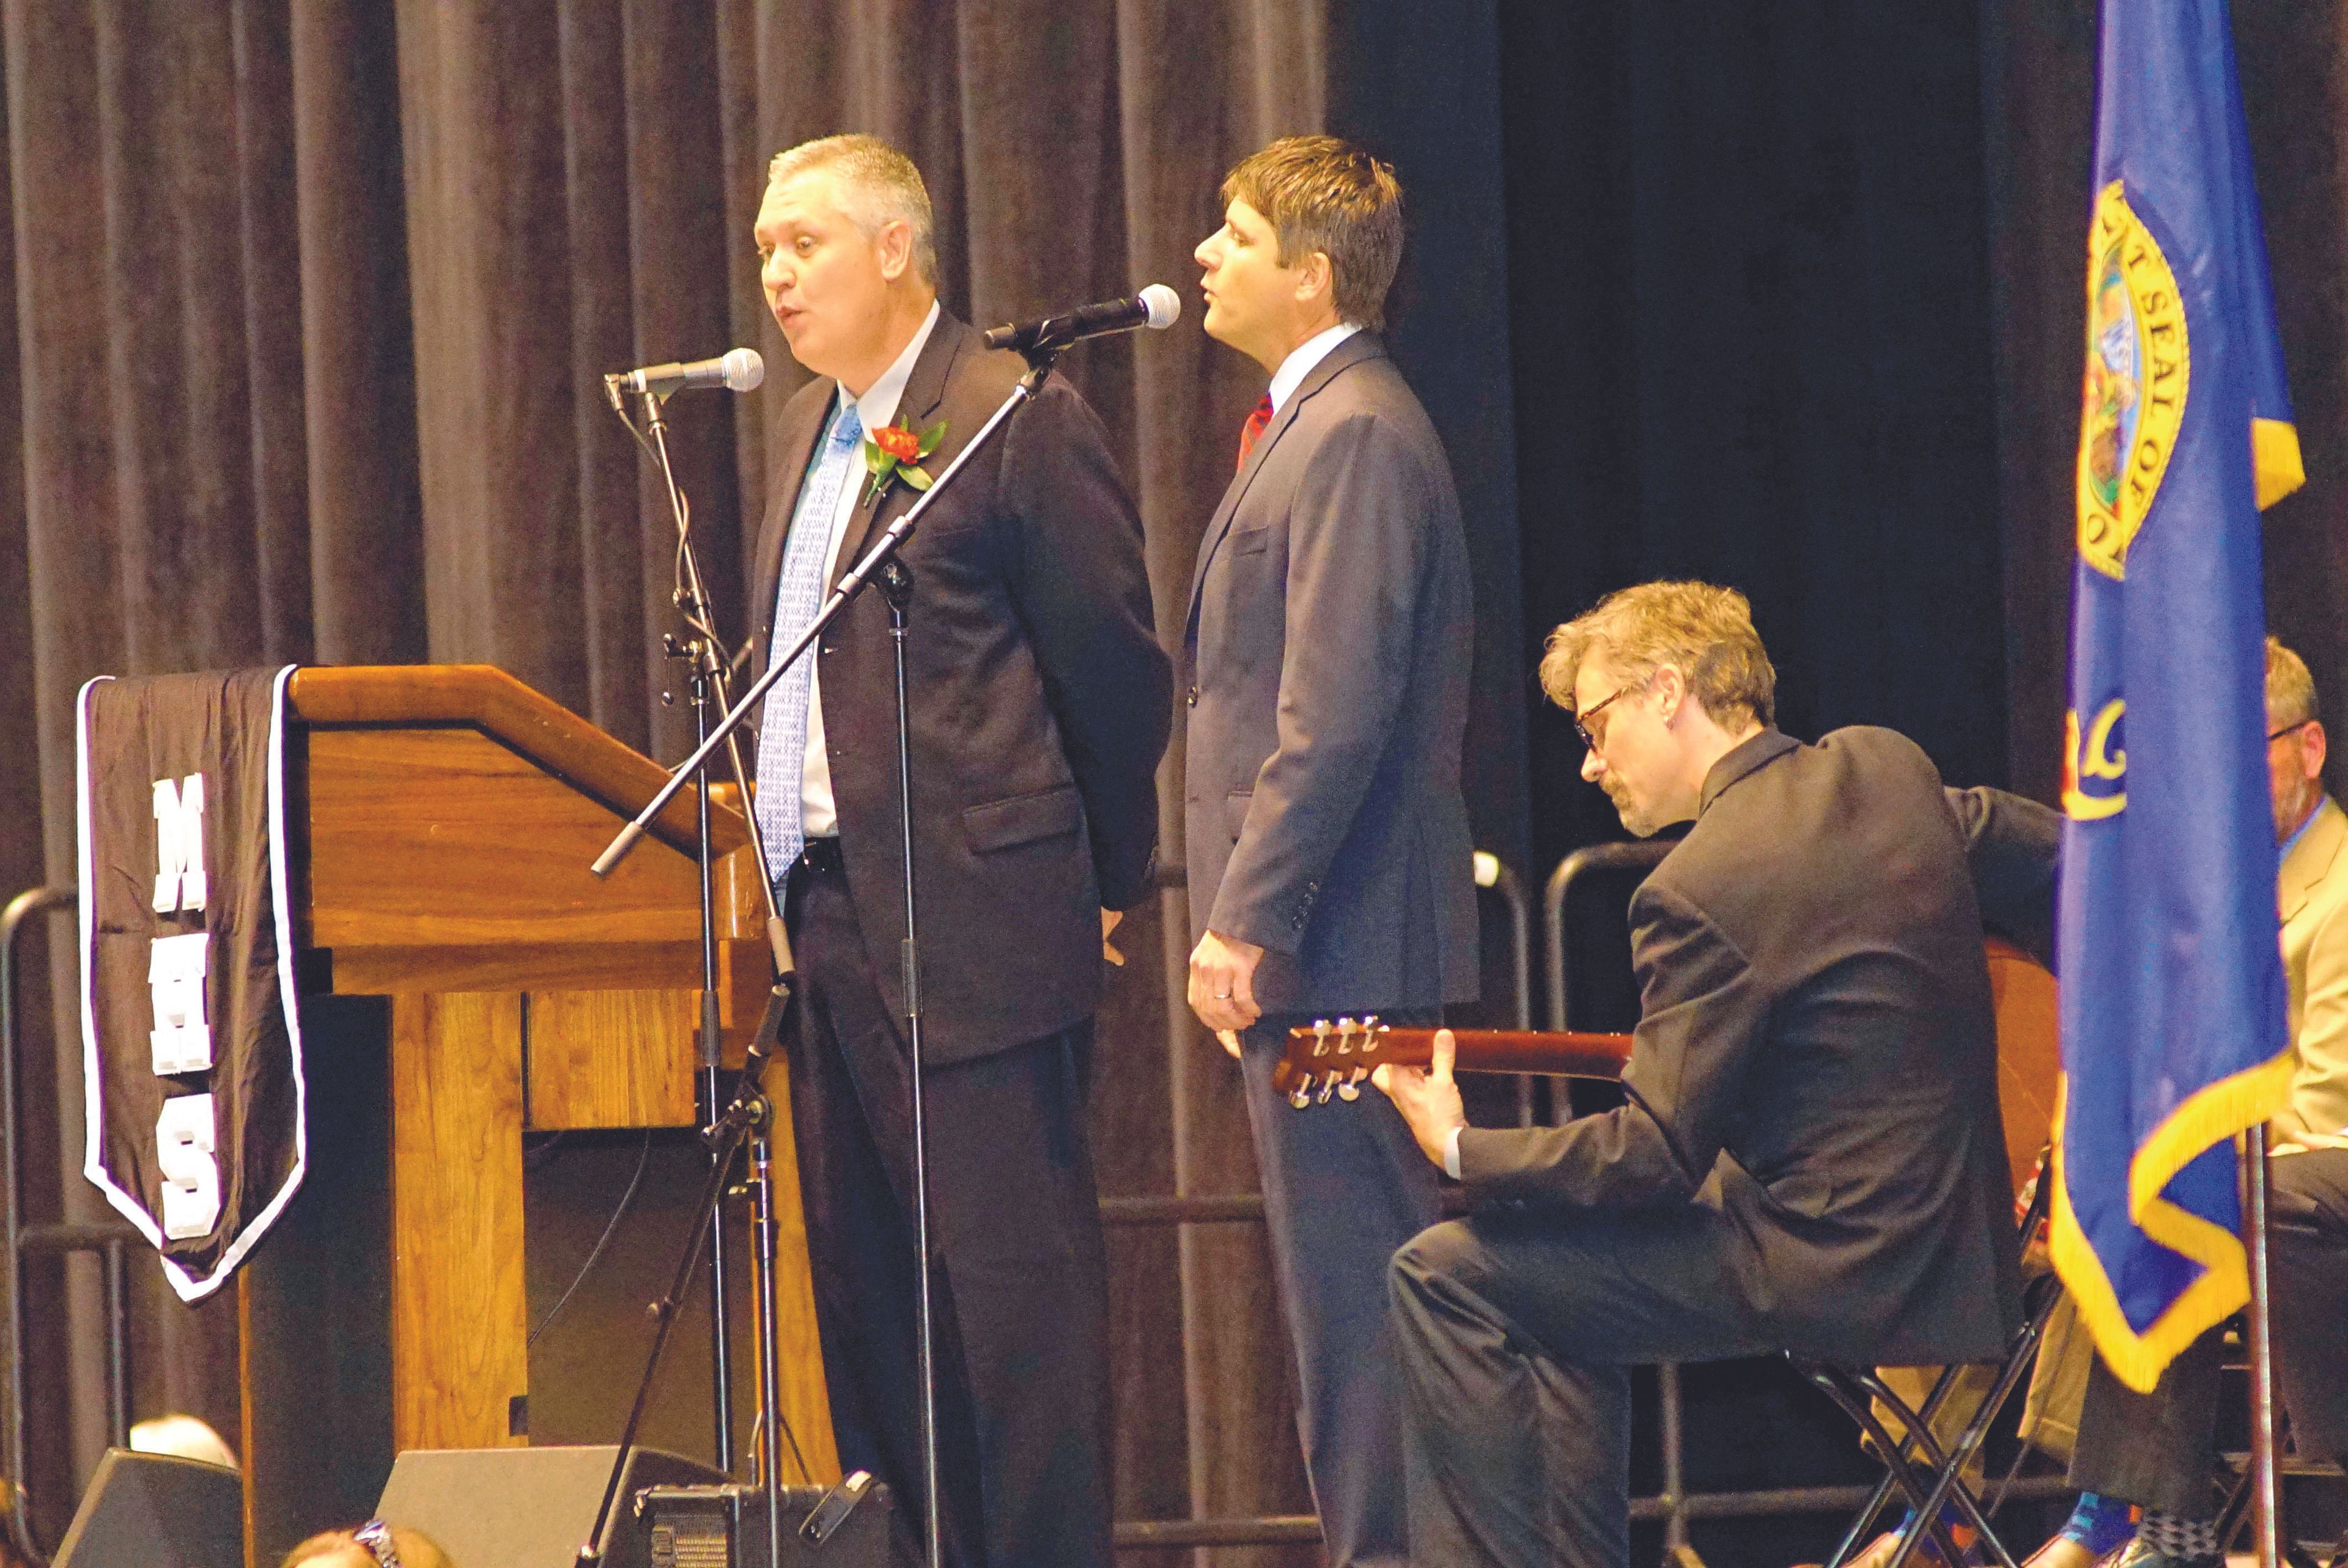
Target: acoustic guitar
x,y
1328,1060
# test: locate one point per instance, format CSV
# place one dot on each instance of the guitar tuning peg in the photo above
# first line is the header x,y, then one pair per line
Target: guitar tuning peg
x,y
1345,1036
1352,1088
1328,1087
1320,1036
1302,1095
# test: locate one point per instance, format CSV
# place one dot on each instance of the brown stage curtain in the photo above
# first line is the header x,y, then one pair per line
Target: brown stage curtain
x,y
311,299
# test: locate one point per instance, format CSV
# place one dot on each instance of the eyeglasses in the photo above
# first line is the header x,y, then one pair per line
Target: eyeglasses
x,y
1581,719
2287,729
376,1536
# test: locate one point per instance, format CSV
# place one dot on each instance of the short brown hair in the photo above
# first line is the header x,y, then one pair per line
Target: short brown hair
x,y
1324,194
882,184
1706,632
2291,690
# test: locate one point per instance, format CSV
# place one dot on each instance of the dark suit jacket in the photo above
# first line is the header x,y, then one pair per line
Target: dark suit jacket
x,y
1326,659
1816,1054
1039,702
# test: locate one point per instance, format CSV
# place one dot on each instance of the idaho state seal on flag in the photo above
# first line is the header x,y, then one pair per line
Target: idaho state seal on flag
x,y
2173,997
2139,365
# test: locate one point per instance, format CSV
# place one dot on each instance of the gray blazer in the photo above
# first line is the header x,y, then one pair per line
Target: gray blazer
x,y
1816,1056
1325,662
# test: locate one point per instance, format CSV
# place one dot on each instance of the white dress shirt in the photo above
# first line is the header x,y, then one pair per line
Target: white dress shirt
x,y
876,408
1303,358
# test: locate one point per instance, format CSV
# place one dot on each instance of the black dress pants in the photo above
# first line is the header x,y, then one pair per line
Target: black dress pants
x,y
1017,1260
2159,1449
1516,1332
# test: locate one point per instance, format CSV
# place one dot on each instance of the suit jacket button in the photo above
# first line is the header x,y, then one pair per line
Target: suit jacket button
x,y
1191,697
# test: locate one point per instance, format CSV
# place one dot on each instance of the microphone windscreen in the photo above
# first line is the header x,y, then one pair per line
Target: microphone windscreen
x,y
744,369
1165,306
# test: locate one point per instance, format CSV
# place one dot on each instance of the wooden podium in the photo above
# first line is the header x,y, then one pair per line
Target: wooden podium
x,y
467,978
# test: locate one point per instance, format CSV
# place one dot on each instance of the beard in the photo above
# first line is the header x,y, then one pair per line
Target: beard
x,y
1636,821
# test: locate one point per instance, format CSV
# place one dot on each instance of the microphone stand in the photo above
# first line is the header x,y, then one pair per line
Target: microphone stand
x,y
879,561
748,1116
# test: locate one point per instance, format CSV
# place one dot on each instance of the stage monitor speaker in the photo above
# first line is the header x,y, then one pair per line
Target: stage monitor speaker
x,y
528,1508
157,1510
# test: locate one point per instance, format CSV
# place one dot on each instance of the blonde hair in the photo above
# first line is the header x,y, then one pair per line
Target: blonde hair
x,y
1320,193
416,1550
879,185
1705,631
2291,690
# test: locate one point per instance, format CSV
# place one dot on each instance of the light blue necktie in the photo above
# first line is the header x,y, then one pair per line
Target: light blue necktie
x,y
782,734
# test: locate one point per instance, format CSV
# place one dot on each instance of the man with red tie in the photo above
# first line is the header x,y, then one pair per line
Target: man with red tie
x,y
1325,662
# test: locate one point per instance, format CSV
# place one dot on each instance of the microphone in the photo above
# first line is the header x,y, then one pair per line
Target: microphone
x,y
1155,307
736,370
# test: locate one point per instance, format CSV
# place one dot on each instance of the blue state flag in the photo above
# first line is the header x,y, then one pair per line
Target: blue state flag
x,y
2173,1001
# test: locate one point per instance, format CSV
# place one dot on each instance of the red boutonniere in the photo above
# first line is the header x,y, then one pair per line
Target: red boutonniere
x,y
893,452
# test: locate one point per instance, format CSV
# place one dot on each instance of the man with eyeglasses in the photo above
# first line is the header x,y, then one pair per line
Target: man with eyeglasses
x,y
1810,1158
2158,1450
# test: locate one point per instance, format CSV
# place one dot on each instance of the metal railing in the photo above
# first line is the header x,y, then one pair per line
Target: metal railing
x,y
19,1241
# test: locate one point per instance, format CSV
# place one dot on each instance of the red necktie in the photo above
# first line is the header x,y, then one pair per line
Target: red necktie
x,y
1254,427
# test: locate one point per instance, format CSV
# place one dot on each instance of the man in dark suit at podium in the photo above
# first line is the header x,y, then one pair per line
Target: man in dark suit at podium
x,y
1040,703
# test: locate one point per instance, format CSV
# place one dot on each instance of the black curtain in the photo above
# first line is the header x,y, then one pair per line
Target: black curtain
x,y
2039,65
1749,313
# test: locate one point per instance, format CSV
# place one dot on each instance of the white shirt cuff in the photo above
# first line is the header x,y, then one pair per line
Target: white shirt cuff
x,y
1451,1152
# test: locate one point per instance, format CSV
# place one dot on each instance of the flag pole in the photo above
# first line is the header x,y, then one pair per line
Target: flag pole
x,y
2266,1481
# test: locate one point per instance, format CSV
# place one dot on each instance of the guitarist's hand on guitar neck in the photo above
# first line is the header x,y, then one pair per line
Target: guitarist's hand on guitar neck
x,y
1428,1097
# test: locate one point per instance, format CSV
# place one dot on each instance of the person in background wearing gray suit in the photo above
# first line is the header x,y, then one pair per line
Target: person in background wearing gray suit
x,y
1811,1158
1327,663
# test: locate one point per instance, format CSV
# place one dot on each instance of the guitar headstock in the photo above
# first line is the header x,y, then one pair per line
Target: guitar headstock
x,y
1327,1059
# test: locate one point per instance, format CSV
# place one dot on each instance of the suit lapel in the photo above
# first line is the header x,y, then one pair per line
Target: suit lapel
x,y
1362,345
916,409
2311,860
795,442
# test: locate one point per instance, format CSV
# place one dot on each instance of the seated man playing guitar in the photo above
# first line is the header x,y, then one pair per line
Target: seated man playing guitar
x,y
1811,1156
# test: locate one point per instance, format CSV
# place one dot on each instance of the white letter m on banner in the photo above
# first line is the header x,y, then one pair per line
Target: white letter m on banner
x,y
179,844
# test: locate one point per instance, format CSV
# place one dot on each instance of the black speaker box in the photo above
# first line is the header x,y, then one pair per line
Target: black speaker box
x,y
850,1526
528,1508
152,1510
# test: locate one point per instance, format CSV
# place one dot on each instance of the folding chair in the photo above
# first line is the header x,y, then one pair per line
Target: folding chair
x,y
2025,999
1857,1389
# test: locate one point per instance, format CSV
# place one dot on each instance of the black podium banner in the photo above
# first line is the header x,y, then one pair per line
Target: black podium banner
x,y
191,1044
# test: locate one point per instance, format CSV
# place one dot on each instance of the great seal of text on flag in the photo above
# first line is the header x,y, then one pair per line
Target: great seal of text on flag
x,y
2173,997
2138,370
